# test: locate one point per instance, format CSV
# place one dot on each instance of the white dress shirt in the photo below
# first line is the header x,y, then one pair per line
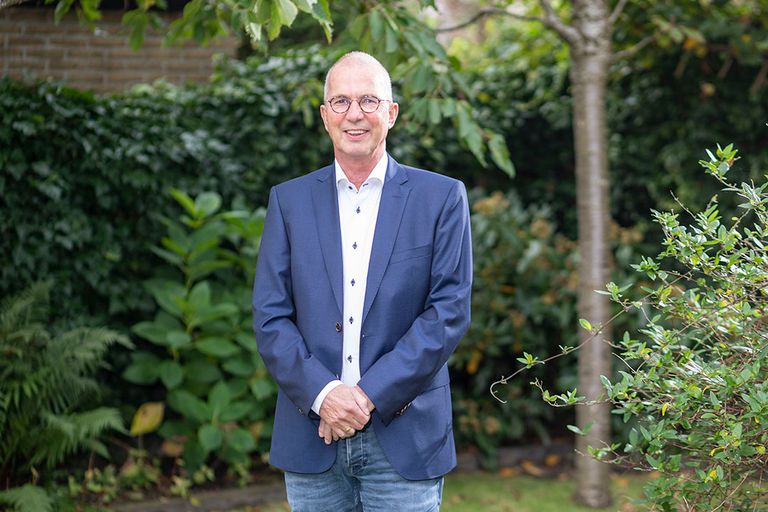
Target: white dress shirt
x,y
358,211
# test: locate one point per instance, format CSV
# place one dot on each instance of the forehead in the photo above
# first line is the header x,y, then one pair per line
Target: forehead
x,y
354,77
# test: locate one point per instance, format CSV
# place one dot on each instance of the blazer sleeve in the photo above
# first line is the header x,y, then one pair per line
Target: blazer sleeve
x,y
282,347
400,375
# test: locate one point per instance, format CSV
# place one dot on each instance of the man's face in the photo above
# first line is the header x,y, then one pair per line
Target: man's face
x,y
358,136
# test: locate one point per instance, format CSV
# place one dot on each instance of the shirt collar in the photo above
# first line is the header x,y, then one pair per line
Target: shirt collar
x,y
379,171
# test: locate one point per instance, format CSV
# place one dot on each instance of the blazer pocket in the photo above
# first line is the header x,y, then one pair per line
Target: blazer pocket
x,y
407,254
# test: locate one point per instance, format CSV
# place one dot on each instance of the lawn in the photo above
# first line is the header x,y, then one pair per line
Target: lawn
x,y
502,492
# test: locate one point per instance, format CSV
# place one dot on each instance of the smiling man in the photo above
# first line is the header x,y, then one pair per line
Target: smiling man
x,y
362,293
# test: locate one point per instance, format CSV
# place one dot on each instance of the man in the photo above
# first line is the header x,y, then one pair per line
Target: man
x,y
361,294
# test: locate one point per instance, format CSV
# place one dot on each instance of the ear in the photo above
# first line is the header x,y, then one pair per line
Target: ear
x,y
323,115
394,109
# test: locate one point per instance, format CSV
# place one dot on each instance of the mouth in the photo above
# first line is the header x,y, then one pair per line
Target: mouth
x,y
356,133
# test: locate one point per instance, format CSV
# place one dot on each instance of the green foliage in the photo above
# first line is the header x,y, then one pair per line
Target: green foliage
x,y
523,303
27,498
696,377
207,360
79,175
45,380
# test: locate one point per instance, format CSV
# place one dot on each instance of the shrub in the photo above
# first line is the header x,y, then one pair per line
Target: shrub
x,y
207,362
523,300
698,380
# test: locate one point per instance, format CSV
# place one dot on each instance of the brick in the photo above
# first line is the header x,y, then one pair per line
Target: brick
x,y
43,52
83,52
15,40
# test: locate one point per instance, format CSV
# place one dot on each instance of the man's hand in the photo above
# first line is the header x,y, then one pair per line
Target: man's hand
x,y
326,433
343,411
363,401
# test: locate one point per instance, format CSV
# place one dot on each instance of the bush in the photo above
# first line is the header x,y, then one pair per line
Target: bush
x,y
698,380
79,173
207,362
523,300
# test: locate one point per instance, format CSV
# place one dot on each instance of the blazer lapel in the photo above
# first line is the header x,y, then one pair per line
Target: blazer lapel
x,y
393,197
326,209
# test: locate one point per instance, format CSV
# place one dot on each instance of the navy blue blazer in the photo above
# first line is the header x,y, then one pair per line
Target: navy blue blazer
x,y
416,309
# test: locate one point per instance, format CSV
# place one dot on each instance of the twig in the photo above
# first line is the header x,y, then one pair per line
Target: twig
x,y
617,11
553,21
628,52
489,12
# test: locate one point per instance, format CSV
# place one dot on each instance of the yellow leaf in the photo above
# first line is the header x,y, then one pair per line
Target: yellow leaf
x,y
147,418
664,408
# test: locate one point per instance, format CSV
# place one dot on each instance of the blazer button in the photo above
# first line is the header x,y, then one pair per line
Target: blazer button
x,y
301,411
338,326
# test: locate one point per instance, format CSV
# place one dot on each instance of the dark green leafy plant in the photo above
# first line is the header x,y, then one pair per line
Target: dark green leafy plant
x,y
523,302
207,360
45,381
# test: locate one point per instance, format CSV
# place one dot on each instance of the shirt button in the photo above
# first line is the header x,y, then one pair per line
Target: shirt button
x,y
338,326
354,245
351,320
358,210
352,282
349,358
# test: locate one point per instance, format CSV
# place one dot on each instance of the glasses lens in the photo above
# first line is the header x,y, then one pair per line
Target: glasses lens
x,y
340,104
368,104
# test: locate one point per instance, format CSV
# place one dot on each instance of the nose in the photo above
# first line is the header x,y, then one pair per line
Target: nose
x,y
355,112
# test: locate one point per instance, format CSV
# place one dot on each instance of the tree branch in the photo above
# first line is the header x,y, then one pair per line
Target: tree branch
x,y
617,12
483,14
628,52
10,3
553,21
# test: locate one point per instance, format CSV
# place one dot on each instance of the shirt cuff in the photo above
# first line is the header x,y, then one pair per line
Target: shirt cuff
x,y
321,396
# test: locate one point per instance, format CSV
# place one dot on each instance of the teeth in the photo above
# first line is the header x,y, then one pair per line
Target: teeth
x,y
355,132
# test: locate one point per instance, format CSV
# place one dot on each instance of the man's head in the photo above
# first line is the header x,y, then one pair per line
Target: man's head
x,y
359,133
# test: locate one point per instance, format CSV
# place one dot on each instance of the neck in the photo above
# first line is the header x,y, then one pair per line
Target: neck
x,y
357,170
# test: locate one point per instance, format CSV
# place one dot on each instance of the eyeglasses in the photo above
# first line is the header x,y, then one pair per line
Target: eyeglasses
x,y
368,104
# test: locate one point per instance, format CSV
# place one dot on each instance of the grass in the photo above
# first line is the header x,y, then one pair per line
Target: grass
x,y
508,492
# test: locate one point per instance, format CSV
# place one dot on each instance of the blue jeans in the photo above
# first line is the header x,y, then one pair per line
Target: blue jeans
x,y
361,480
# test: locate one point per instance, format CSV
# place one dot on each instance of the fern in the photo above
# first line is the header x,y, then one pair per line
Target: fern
x,y
45,378
28,498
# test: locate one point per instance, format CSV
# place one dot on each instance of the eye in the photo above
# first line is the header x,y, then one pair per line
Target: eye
x,y
369,101
341,101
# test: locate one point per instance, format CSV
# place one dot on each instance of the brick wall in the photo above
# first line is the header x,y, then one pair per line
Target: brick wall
x,y
33,46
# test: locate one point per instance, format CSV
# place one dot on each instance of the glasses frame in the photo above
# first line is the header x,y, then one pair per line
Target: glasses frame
x,y
351,100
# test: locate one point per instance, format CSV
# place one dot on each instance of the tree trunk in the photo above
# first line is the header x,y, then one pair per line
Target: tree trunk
x,y
590,57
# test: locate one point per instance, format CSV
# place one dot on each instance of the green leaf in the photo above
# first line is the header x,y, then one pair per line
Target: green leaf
x,y
235,411
208,203
500,153
239,366
185,201
202,371
144,370
189,405
217,346
219,398
151,331
171,374
585,324
241,440
262,388
210,437
178,339
200,296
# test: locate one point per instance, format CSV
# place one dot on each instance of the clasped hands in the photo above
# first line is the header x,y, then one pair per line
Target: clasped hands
x,y
344,411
